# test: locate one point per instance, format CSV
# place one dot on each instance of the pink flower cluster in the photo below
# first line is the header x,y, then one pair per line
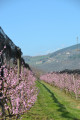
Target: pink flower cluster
x,y
67,82
19,93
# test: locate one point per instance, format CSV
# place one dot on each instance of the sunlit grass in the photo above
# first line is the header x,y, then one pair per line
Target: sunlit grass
x,y
53,104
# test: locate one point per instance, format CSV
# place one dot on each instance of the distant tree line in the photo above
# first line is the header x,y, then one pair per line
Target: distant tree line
x,y
71,71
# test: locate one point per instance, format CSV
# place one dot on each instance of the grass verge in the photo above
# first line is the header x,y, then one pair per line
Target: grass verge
x,y
53,104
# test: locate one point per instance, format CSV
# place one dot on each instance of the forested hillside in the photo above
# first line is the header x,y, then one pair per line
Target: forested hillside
x,y
67,58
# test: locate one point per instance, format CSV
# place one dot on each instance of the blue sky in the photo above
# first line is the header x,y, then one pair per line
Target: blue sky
x,y
41,26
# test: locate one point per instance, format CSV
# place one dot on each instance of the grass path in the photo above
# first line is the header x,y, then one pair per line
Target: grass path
x,y
52,104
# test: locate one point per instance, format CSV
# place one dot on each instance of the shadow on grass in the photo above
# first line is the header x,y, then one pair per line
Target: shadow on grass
x,y
62,109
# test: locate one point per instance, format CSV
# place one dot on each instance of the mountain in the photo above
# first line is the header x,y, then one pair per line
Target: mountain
x,y
11,50
5,40
2,32
67,58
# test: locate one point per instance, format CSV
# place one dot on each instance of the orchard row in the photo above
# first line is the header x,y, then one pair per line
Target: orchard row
x,y
19,93
70,83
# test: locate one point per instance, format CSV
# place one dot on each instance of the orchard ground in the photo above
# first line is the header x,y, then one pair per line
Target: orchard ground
x,y
53,104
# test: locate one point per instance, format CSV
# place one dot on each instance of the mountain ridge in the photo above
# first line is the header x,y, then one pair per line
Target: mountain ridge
x,y
66,58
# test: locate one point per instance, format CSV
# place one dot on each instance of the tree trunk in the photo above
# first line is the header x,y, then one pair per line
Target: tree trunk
x,y
75,88
19,66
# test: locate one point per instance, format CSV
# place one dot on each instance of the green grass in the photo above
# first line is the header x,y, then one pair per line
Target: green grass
x,y
53,104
